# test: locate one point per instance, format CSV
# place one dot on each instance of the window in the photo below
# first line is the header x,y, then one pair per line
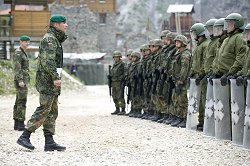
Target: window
x,y
102,18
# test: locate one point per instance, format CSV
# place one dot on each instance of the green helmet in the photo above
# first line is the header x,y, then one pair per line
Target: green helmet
x,y
247,27
151,42
164,33
136,54
171,35
182,39
210,23
129,52
239,20
219,22
157,42
117,54
198,29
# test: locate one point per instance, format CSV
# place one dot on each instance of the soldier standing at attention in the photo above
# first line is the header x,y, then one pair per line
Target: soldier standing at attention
x,y
48,84
181,67
117,76
21,79
197,70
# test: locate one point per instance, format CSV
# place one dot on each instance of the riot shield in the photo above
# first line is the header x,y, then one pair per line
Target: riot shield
x,y
193,105
221,111
246,137
208,128
237,112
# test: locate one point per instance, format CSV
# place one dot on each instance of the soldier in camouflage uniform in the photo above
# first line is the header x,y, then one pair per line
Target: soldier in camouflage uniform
x,y
181,67
198,33
153,72
21,80
117,77
48,84
134,70
166,59
146,52
232,51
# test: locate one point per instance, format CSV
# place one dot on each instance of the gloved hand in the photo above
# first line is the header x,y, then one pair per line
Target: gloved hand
x,y
178,89
198,80
224,80
231,77
239,80
214,76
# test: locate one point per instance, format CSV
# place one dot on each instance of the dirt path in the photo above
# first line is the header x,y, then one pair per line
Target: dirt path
x,y
94,137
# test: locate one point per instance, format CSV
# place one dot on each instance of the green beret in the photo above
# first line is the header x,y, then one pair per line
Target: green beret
x,y
57,18
24,38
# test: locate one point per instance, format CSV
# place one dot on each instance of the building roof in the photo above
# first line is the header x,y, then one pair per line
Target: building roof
x,y
180,8
84,56
28,2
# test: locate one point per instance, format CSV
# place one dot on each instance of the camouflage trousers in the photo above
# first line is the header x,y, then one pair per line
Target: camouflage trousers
x,y
202,101
146,99
19,109
46,115
118,98
180,102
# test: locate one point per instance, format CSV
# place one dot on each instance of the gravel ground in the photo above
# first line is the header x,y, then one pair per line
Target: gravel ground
x,y
94,137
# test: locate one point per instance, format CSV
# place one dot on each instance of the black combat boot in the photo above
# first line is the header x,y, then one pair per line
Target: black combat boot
x,y
176,122
20,126
164,117
123,112
157,116
15,124
200,127
50,144
24,140
117,110
170,119
182,124
139,113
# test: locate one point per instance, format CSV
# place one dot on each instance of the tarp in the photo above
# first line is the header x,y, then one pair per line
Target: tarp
x,y
187,8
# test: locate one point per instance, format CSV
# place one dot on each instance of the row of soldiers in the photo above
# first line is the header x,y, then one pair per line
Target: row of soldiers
x,y
157,83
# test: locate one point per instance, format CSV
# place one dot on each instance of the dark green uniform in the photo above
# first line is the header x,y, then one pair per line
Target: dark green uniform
x,y
21,71
50,58
197,70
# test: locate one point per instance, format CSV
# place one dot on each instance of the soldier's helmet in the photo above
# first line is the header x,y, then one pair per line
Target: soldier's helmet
x,y
129,52
198,29
182,39
171,35
117,54
146,47
237,18
151,42
220,23
157,42
136,54
210,22
164,33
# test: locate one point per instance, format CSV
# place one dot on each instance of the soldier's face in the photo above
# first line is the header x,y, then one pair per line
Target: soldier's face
x,y
117,59
230,25
147,52
178,44
61,26
246,35
24,44
151,48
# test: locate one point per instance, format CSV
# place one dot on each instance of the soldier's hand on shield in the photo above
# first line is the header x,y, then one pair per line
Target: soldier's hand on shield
x,y
224,80
239,80
198,80
178,88
21,84
57,83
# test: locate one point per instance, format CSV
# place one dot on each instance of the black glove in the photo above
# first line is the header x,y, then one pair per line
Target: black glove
x,y
178,89
198,80
239,80
224,80
231,77
214,76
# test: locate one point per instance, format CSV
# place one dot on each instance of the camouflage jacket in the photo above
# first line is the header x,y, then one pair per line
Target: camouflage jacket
x,y
21,66
144,62
49,59
231,54
181,65
167,60
197,68
118,71
210,54
133,72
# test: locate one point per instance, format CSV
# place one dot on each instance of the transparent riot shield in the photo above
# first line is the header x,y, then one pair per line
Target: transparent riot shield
x,y
246,137
221,111
193,105
208,128
237,112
